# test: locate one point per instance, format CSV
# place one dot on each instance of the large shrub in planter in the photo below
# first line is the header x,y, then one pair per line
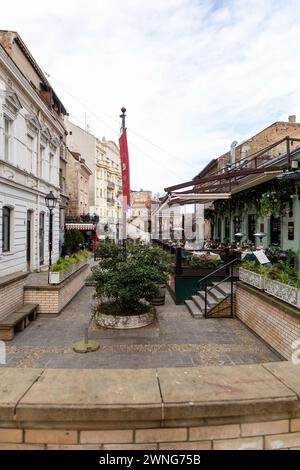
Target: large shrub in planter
x,y
73,238
126,279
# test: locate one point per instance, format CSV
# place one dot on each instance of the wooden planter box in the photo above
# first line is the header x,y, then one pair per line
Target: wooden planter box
x,y
284,292
252,278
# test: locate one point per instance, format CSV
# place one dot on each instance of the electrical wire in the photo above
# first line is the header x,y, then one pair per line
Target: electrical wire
x,y
111,128
70,92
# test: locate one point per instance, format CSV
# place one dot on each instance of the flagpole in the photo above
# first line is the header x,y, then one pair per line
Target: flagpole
x,y
124,199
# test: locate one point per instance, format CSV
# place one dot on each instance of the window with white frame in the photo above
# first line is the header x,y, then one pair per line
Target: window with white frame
x,y
51,168
42,161
7,138
30,153
6,229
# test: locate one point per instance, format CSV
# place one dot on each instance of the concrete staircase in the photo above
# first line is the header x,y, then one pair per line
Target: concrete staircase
x,y
218,293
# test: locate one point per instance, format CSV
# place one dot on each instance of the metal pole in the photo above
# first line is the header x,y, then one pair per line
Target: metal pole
x,y
288,152
86,336
123,116
231,290
123,128
205,300
50,239
178,267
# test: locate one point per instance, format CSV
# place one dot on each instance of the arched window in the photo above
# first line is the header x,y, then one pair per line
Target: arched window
x,y
6,223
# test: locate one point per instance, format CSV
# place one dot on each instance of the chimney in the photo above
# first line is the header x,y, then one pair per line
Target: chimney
x,y
292,119
244,152
232,152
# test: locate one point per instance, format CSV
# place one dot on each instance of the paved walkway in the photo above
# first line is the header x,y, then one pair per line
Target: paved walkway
x,y
174,340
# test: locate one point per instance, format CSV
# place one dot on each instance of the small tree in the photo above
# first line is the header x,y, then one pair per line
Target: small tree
x,y
127,278
73,238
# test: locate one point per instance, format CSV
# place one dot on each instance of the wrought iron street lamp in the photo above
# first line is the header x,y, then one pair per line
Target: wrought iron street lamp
x,y
51,201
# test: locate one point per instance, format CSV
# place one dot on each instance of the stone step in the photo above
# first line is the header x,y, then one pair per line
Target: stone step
x,y
193,309
211,300
224,288
199,301
216,294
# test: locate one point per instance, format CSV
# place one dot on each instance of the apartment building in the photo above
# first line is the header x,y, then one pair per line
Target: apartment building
x,y
32,159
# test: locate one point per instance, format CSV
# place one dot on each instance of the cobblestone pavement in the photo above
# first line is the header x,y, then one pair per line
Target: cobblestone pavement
x,y
174,340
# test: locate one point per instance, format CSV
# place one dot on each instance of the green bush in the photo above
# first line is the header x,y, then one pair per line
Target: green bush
x,y
204,262
197,262
73,238
126,278
65,264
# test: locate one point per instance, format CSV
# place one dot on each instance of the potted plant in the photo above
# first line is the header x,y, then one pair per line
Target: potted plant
x,y
126,281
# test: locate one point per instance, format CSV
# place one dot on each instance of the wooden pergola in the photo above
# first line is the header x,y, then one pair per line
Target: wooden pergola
x,y
248,172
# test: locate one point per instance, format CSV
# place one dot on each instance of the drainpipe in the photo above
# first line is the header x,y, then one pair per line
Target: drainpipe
x,y
38,195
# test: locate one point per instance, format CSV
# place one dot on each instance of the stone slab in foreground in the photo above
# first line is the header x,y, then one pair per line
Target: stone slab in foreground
x,y
91,394
223,391
14,383
235,407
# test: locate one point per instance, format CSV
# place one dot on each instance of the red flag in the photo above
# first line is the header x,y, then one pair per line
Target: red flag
x,y
125,167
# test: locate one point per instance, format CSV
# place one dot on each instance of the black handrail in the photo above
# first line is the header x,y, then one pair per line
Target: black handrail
x,y
219,269
206,290
216,285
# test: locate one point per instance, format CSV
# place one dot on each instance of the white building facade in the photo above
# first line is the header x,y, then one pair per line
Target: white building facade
x,y
105,182
31,141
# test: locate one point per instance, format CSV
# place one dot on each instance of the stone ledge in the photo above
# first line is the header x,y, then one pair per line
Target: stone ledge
x,y
11,278
283,306
77,397
55,287
223,391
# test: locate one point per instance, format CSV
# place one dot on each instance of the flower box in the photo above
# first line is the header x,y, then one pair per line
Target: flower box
x,y
252,278
59,276
54,278
284,292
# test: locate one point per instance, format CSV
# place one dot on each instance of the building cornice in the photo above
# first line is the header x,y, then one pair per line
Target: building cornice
x,y
37,180
17,75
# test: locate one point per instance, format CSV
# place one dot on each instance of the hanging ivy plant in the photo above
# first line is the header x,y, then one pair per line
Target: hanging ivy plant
x,y
269,198
221,206
270,204
209,214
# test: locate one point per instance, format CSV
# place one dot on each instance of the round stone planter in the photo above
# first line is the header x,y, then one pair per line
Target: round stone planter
x,y
124,322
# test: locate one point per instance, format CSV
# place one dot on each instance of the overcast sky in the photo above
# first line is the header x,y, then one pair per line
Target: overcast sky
x,y
194,75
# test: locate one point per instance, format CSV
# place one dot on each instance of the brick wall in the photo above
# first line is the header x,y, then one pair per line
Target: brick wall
x,y
258,435
260,409
11,293
263,139
276,323
69,290
52,299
